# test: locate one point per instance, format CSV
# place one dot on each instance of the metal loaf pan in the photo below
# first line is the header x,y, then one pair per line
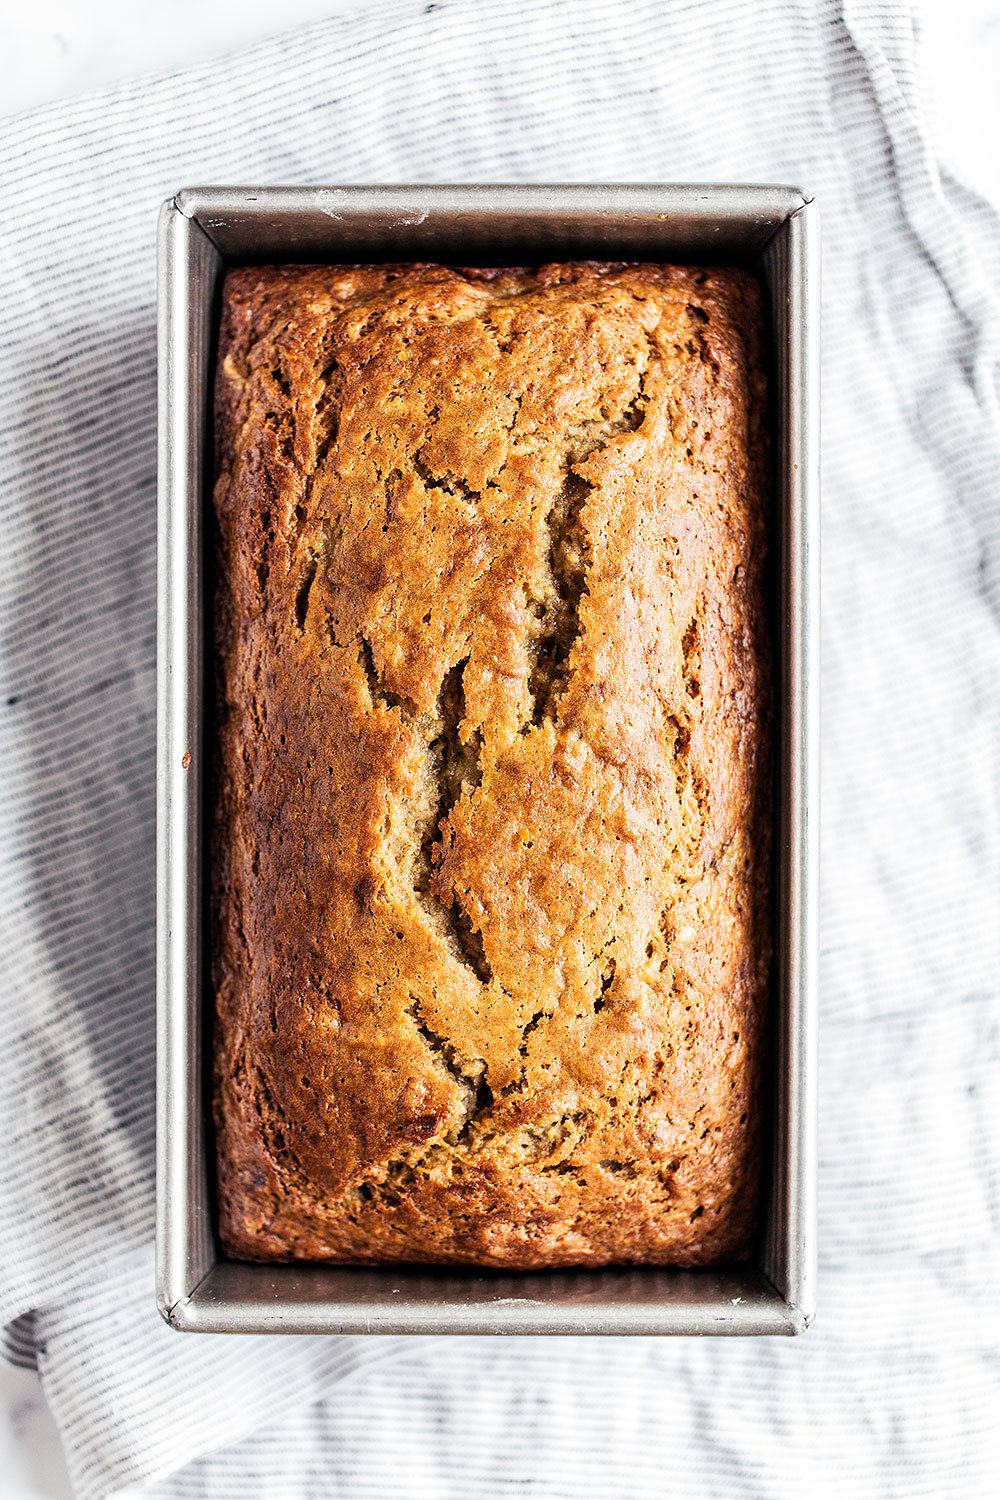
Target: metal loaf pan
x,y
201,231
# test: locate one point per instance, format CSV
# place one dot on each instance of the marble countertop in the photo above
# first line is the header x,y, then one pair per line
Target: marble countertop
x,y
55,49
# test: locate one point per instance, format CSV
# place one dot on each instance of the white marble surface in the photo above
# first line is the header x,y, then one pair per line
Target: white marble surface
x,y
54,49
31,1461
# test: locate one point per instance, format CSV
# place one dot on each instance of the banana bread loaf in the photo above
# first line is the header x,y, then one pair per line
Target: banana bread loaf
x,y
491,841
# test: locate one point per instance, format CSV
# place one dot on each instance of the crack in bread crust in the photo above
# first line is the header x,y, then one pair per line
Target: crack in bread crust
x,y
455,769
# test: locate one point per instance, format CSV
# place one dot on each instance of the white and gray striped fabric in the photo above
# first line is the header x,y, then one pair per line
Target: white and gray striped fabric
x,y
894,1392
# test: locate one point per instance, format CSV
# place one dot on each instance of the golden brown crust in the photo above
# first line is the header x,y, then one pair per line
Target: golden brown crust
x,y
491,848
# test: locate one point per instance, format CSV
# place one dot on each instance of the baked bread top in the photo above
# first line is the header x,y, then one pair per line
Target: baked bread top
x,y
491,846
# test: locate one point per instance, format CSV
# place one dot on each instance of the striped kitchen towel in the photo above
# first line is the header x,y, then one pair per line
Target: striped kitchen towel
x,y
894,1392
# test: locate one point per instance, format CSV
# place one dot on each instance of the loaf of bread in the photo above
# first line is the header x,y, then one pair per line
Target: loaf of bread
x,y
491,844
